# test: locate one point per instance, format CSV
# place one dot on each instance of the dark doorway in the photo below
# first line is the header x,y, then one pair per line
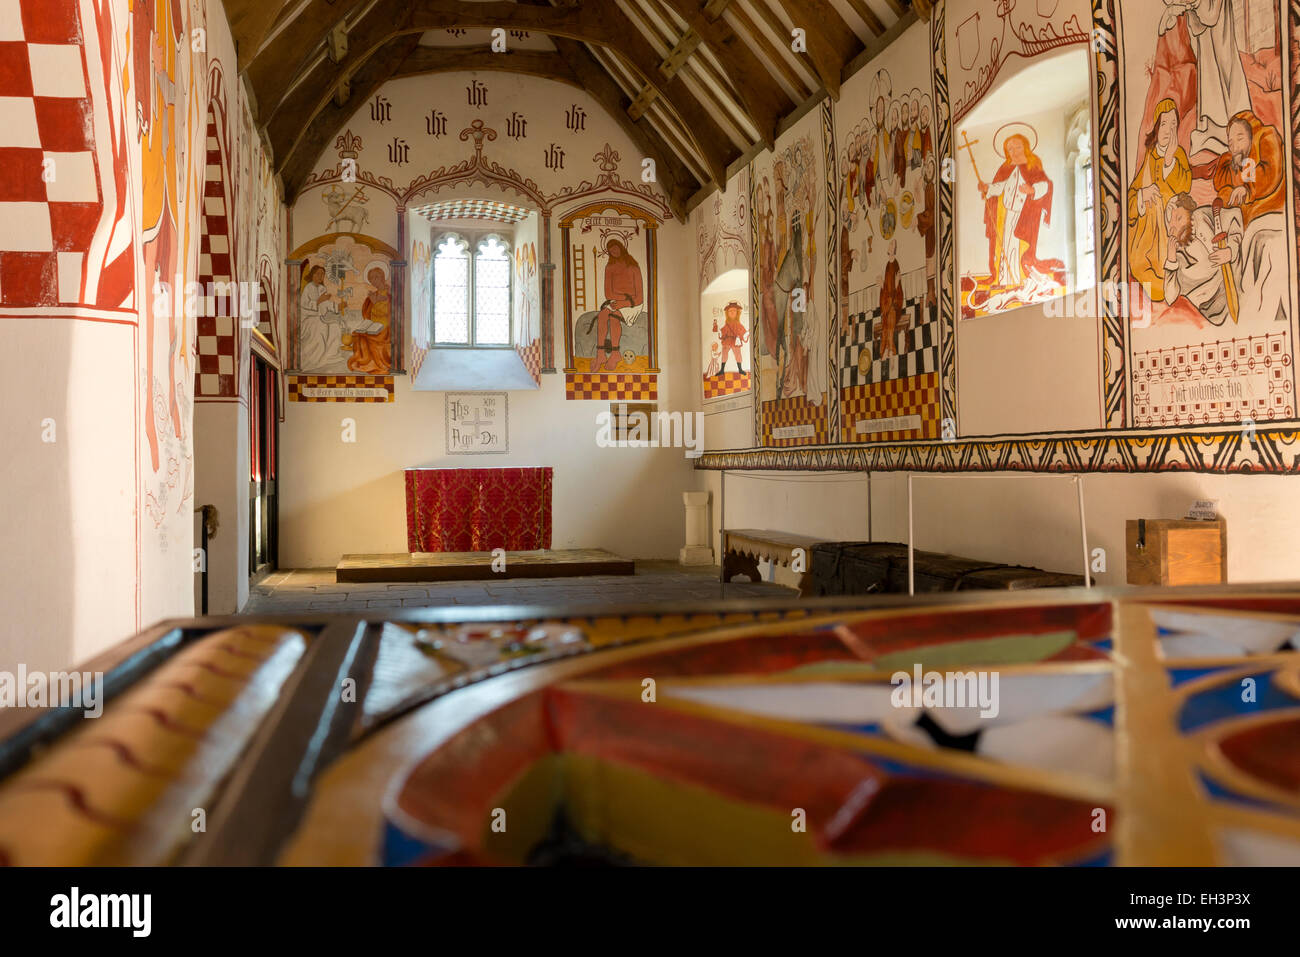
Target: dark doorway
x,y
264,435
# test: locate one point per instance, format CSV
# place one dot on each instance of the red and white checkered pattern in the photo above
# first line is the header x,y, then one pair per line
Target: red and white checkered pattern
x,y
218,325
51,202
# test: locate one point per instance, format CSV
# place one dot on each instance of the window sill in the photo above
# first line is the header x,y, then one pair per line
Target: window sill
x,y
473,368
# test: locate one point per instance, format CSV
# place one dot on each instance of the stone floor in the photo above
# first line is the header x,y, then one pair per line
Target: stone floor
x,y
315,589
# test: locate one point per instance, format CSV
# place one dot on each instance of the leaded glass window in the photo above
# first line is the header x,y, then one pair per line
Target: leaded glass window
x,y
451,305
472,291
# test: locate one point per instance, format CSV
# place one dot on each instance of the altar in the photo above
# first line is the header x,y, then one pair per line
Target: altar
x,y
478,509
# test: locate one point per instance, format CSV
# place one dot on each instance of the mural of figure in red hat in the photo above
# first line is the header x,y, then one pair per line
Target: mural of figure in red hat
x,y
733,335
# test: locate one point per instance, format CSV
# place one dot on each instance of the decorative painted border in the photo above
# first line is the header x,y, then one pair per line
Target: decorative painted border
x,y
1273,452
755,297
1108,167
832,187
945,268
299,382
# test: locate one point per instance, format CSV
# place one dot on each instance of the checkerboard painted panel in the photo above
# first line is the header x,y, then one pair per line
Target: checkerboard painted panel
x,y
532,357
617,386
218,325
803,423
881,403
916,342
728,383
51,197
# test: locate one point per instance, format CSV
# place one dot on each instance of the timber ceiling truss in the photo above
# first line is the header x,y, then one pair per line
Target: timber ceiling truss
x,y
700,86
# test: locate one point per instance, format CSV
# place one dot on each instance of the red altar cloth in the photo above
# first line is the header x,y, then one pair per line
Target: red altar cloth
x,y
477,510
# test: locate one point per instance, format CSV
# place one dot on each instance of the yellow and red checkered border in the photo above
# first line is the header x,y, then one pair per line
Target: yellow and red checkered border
x,y
614,386
779,413
915,395
729,383
299,382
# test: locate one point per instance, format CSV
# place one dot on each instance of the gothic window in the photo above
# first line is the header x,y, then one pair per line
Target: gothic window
x,y
492,292
1079,153
471,292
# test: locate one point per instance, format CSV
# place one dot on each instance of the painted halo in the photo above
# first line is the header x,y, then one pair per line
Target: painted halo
x,y
1007,130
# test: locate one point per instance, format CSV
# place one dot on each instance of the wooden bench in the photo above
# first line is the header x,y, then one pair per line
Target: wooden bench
x,y
744,548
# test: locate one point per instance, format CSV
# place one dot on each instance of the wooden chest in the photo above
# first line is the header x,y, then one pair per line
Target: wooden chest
x,y
1176,551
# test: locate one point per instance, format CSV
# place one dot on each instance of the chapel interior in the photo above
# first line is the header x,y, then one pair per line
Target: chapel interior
x,y
622,432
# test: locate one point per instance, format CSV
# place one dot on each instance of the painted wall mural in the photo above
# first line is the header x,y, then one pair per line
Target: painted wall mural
x,y
727,351
888,249
793,275
421,260
344,305
1209,240
722,256
610,283
527,296
1022,237
983,37
1159,183
722,231
536,144
104,147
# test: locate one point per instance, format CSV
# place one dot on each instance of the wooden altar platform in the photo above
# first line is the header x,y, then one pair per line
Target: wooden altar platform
x,y
477,566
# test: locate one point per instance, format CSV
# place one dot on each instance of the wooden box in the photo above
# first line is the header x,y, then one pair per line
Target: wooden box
x,y
1177,551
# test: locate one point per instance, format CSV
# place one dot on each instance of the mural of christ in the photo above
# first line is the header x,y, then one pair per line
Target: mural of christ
x,y
623,290
1017,204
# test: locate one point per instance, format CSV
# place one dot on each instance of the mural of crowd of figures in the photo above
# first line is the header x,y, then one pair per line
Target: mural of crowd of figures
x,y
545,147
1011,156
887,269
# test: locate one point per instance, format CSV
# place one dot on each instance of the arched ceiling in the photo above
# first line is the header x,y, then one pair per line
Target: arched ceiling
x,y
699,85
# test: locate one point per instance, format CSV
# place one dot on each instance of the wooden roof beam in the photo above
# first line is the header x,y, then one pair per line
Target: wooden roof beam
x,y
674,179
774,55
761,96
271,67
867,16
829,41
249,22
328,121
